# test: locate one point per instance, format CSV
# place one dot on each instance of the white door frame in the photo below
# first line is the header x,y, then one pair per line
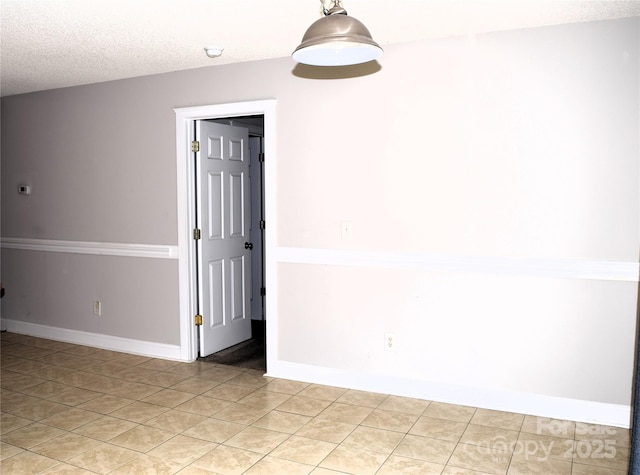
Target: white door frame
x,y
186,197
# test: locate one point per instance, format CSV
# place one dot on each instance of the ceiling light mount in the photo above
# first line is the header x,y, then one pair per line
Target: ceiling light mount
x,y
213,52
336,40
335,9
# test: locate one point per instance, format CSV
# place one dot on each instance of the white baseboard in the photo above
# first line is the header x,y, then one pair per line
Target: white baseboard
x,y
96,340
616,415
557,408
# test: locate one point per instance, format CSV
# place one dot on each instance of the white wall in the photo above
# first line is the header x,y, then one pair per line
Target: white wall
x,y
492,186
492,183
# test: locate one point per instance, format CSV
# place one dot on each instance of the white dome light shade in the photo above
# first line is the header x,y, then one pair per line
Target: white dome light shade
x,y
336,40
337,54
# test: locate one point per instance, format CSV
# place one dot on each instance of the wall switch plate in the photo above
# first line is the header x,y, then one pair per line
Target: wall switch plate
x,y
97,308
24,189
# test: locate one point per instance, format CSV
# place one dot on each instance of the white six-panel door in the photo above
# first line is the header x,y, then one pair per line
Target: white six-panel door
x,y
223,216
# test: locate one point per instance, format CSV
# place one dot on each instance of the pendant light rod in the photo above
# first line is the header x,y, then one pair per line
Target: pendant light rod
x,y
336,4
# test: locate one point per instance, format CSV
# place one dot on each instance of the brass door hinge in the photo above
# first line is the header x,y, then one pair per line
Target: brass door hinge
x,y
262,224
198,320
195,146
197,234
261,157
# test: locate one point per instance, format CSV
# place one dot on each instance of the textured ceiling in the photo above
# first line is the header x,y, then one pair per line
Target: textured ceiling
x,y
47,44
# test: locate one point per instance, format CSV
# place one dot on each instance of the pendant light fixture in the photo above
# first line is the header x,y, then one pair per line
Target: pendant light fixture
x,y
336,40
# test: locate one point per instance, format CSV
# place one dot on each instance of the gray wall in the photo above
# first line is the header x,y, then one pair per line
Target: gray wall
x,y
516,148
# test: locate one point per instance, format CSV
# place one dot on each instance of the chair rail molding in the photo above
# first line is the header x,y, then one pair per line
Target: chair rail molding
x,y
157,251
625,271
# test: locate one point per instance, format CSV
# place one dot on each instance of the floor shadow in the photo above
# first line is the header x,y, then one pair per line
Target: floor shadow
x,y
250,354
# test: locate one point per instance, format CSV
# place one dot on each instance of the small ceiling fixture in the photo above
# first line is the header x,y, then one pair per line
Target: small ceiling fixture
x,y
213,52
336,40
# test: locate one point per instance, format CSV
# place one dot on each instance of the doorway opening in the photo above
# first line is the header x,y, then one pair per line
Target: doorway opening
x,y
251,113
229,198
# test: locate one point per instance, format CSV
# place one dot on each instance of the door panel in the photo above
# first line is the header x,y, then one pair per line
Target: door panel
x,y
215,198
216,293
238,288
237,205
222,170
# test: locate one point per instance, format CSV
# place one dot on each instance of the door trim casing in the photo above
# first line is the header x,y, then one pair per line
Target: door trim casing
x,y
185,174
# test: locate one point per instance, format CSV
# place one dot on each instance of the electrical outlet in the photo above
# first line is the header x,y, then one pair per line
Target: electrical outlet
x,y
390,341
97,308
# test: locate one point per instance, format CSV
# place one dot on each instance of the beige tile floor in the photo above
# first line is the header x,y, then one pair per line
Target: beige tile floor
x,y
70,409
